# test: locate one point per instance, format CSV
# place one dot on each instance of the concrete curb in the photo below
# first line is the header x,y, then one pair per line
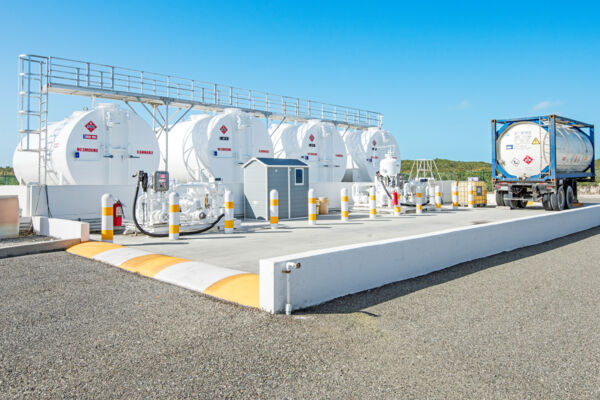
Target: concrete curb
x,y
223,283
36,248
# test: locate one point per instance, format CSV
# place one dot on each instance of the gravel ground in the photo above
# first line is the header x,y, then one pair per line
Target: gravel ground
x,y
523,324
24,239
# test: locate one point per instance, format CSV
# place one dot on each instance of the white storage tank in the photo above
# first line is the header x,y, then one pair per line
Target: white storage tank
x,y
285,140
318,144
366,149
523,149
102,146
207,147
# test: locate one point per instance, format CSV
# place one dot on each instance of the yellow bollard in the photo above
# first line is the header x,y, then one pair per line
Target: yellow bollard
x,y
312,207
228,212
174,216
107,218
274,209
344,199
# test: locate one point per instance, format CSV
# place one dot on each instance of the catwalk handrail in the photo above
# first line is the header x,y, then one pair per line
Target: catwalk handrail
x,y
63,72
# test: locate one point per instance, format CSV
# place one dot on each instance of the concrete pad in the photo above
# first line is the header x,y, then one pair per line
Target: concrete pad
x,y
256,240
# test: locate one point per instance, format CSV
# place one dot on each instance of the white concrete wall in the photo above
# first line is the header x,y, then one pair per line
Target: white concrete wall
x,y
336,272
332,191
61,228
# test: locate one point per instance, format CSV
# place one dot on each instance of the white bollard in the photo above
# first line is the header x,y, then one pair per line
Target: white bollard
x,y
438,198
454,195
228,212
431,194
372,203
312,207
419,200
174,216
344,199
396,203
107,218
274,209
470,198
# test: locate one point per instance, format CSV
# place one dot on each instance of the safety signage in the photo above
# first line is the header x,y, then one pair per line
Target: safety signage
x,y
528,160
90,126
535,141
223,129
311,137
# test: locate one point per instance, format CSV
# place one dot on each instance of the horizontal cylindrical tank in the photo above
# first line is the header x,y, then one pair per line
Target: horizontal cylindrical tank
x,y
366,149
105,145
523,149
206,147
317,143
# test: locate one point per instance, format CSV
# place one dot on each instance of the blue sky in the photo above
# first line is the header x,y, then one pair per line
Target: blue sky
x,y
438,71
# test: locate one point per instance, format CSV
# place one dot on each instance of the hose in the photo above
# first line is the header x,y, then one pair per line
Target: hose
x,y
152,234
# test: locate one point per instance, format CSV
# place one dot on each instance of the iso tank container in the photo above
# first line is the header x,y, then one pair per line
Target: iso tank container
x,y
207,147
318,144
541,158
102,146
366,150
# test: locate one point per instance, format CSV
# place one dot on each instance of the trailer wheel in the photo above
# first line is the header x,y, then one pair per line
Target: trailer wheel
x,y
499,198
558,199
513,204
522,203
569,197
546,202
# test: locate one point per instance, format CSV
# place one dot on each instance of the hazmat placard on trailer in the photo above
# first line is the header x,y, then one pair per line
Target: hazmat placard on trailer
x,y
528,160
92,137
535,141
223,129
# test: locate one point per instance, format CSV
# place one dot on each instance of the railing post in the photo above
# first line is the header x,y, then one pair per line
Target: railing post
x,y
87,74
112,77
216,95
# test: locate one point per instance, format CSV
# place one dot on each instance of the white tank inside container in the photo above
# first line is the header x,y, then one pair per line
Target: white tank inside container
x,y
523,149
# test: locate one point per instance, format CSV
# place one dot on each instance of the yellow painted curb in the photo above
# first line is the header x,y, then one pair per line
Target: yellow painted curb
x,y
241,289
91,249
150,264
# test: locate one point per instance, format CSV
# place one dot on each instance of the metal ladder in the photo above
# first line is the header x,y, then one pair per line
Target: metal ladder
x,y
33,110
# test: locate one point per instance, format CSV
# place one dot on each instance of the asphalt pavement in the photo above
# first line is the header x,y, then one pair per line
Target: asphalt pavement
x,y
522,324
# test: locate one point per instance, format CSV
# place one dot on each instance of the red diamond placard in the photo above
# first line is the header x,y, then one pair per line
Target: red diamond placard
x,y
528,159
223,129
90,126
312,137
374,142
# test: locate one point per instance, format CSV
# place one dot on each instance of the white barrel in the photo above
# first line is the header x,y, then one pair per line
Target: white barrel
x,y
419,200
228,212
438,198
454,195
274,209
470,196
207,147
102,146
174,216
372,203
106,233
344,203
523,149
312,207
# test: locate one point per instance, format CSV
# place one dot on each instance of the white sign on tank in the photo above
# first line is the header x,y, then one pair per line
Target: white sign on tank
x,y
102,146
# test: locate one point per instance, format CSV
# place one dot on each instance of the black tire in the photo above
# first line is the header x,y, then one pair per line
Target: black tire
x,y
499,198
546,202
558,199
513,204
522,203
569,197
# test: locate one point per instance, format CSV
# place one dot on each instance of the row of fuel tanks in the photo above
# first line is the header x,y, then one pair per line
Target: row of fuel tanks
x,y
108,145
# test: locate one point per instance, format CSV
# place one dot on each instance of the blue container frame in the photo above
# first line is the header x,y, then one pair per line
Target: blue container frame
x,y
549,173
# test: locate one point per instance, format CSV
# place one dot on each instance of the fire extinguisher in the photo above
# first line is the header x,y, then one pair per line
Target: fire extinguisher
x,y
117,213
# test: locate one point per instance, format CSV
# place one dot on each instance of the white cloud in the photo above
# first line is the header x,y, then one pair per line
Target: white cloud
x,y
546,104
463,105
